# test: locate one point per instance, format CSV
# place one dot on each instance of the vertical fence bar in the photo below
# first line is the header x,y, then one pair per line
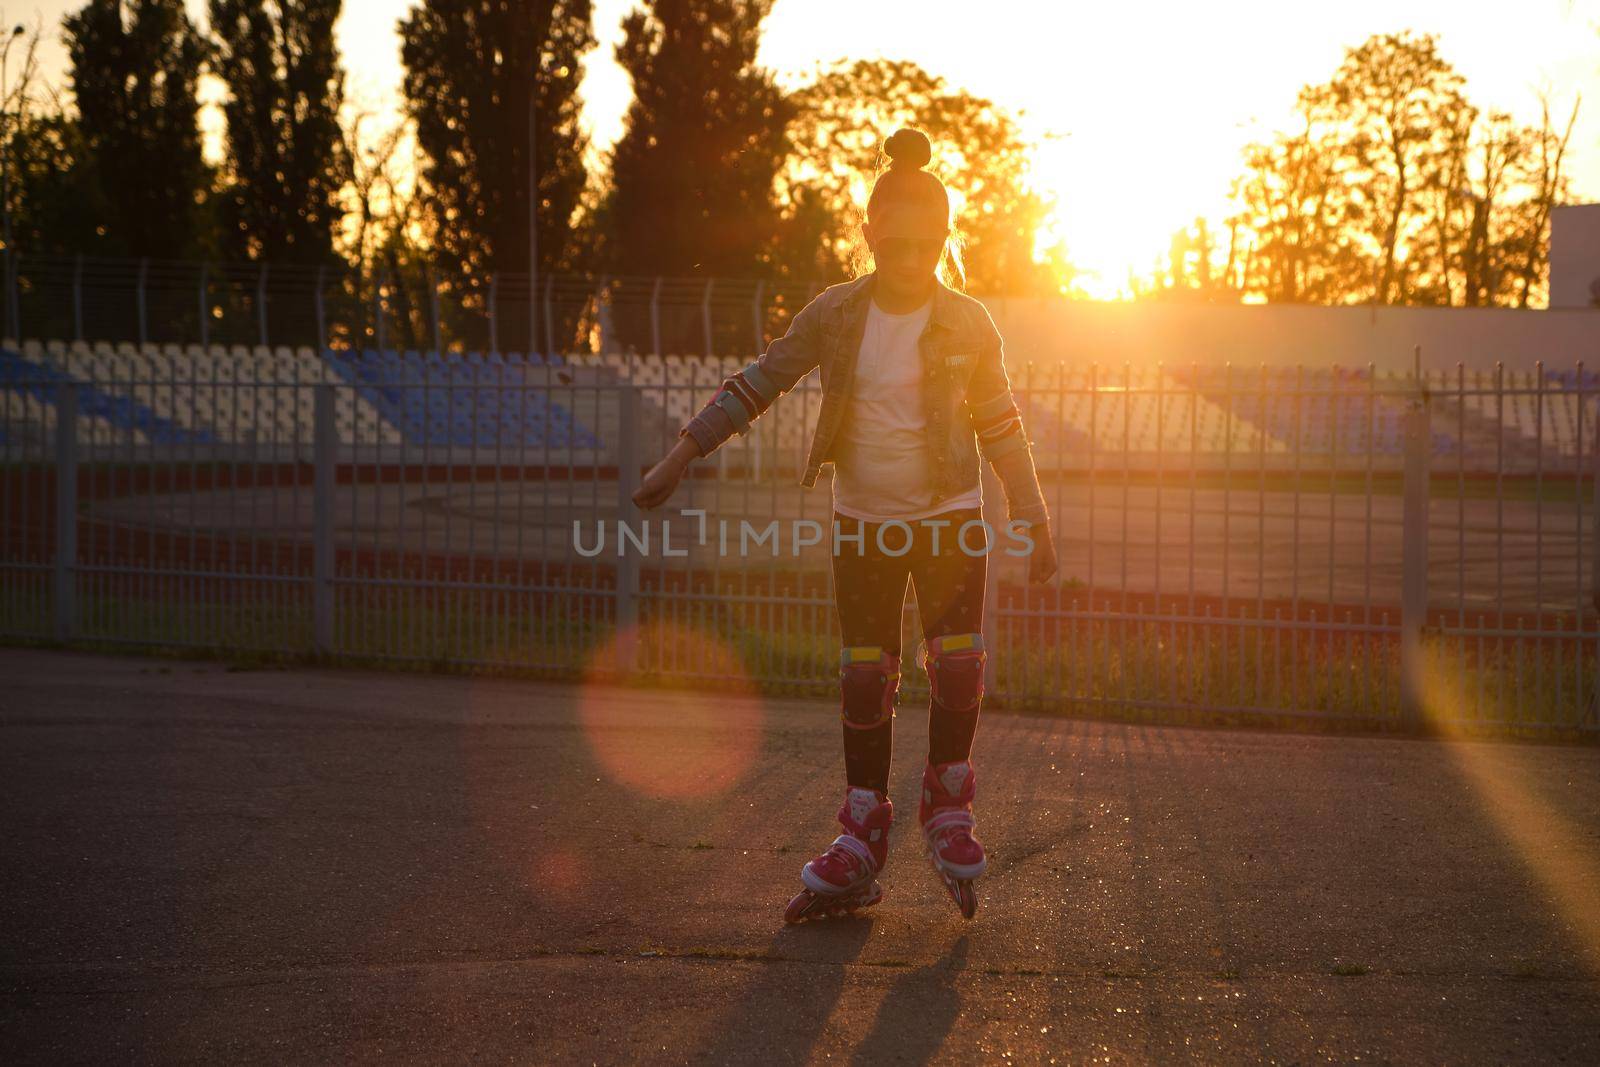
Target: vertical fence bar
x,y
655,319
139,299
627,513
77,297
756,315
549,318
205,310
433,313
1593,715
705,314
377,311
261,306
1577,536
66,613
603,315
994,513
1414,561
322,319
494,304
324,442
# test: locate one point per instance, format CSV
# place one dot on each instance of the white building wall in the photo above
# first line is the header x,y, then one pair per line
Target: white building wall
x,y
1178,334
1575,256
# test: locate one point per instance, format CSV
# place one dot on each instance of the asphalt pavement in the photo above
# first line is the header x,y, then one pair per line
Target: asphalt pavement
x,y
220,865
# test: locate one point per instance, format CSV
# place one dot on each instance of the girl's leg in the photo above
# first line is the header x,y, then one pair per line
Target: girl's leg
x,y
950,585
869,592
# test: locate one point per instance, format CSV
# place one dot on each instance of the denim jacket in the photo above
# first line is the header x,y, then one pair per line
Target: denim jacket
x,y
966,393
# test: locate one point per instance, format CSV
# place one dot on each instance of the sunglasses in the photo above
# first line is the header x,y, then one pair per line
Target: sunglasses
x,y
914,248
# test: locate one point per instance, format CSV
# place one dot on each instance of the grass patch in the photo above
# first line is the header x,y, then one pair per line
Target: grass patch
x,y
1199,672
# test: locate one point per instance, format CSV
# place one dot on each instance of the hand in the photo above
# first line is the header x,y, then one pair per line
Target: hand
x,y
659,482
1042,560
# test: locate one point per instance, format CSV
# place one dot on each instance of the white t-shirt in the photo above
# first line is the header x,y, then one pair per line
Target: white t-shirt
x,y
881,465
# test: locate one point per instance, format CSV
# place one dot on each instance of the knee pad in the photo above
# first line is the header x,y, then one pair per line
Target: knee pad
x,y
955,664
869,677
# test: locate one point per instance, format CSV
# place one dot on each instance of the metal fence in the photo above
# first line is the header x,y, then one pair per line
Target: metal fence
x,y
150,301
1235,545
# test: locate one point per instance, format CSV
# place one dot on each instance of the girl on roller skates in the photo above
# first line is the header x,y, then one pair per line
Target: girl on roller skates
x,y
914,392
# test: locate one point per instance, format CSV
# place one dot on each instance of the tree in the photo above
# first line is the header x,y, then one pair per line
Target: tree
x,y
1292,204
979,151
134,82
384,220
1537,166
693,173
1191,273
470,66
1402,112
285,160
1394,188
54,195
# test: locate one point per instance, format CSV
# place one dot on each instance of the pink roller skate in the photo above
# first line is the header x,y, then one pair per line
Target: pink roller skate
x,y
845,877
947,825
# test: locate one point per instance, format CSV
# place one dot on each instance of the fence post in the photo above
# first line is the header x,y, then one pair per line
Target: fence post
x,y
494,302
549,318
66,510
627,513
324,442
143,313
655,318
705,313
433,312
602,314
756,314
994,513
1593,715
77,297
1414,561
322,321
261,305
378,332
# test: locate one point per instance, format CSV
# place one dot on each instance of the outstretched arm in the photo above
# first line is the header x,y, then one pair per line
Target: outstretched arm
x,y
1003,442
744,396
741,399
1002,439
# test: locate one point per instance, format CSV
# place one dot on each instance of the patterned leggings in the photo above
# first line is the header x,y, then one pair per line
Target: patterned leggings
x,y
869,591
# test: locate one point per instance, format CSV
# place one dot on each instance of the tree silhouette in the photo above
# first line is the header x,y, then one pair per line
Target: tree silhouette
x,y
979,152
1293,205
692,175
1395,189
469,68
138,130
285,162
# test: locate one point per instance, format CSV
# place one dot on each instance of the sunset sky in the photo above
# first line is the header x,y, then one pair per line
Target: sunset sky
x,y
1148,104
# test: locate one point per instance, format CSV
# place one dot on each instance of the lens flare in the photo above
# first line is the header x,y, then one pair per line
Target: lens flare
x,y
1505,779
672,744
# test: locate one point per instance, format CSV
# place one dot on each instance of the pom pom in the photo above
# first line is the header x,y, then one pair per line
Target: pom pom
x,y
908,148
